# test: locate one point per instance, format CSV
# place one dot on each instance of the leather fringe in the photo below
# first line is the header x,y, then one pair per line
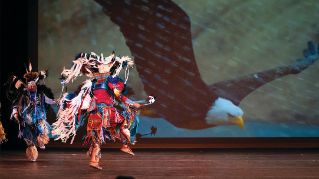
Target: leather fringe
x,y
32,152
42,140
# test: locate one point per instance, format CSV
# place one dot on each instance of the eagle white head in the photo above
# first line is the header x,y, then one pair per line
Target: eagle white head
x,y
224,112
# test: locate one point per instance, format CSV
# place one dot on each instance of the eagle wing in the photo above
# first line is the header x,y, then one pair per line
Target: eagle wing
x,y
236,90
158,34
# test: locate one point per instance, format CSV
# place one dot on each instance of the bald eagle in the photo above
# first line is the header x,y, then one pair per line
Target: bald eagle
x,y
224,112
158,34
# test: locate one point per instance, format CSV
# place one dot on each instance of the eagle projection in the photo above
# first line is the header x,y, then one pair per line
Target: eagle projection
x,y
160,38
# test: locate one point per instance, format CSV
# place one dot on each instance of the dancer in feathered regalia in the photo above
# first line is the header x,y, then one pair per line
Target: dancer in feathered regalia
x,y
2,134
97,98
30,103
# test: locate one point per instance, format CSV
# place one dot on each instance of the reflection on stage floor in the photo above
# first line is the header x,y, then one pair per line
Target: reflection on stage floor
x,y
164,163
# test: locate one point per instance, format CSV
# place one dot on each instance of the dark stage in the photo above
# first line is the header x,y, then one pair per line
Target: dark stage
x,y
165,163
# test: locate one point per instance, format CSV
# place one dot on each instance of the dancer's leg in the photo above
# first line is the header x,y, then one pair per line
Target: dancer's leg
x,y
32,153
94,151
42,140
125,137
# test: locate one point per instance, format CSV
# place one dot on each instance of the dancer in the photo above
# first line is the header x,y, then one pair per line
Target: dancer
x,y
97,97
30,103
2,134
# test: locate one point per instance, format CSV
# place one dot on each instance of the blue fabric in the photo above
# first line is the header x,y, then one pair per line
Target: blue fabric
x,y
112,79
31,133
70,96
134,124
33,114
79,124
133,128
104,85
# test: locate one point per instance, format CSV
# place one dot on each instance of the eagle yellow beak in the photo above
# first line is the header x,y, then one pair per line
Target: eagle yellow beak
x,y
239,121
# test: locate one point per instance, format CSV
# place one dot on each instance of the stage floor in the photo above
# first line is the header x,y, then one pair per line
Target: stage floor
x,y
164,163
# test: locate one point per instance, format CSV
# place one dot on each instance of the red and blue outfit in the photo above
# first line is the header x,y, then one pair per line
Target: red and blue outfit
x,y
105,122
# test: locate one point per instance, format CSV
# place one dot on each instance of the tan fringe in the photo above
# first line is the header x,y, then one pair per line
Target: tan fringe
x,y
32,152
42,140
98,149
89,151
126,134
95,153
2,134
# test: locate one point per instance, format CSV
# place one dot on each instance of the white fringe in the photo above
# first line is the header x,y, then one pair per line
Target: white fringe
x,y
46,127
86,101
75,70
65,127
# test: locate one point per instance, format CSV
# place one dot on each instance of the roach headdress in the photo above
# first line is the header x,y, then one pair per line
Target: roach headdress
x,y
90,63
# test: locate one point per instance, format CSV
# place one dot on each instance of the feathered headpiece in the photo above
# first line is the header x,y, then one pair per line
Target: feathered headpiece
x,y
33,77
90,63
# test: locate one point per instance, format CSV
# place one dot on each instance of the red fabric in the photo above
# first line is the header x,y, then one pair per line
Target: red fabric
x,y
114,120
95,121
102,96
120,86
111,118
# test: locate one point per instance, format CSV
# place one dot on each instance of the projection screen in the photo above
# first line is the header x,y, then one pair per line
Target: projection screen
x,y
258,57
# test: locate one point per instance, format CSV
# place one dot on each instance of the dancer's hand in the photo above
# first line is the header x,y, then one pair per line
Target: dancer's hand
x,y
20,134
58,100
136,105
18,84
16,116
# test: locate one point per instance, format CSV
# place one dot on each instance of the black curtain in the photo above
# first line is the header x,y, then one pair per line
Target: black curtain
x,y
19,43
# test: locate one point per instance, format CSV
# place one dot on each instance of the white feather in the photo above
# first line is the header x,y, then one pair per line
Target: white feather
x,y
108,59
87,98
65,127
86,102
30,67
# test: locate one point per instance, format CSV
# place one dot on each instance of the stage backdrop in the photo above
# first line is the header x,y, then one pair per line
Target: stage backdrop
x,y
190,53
